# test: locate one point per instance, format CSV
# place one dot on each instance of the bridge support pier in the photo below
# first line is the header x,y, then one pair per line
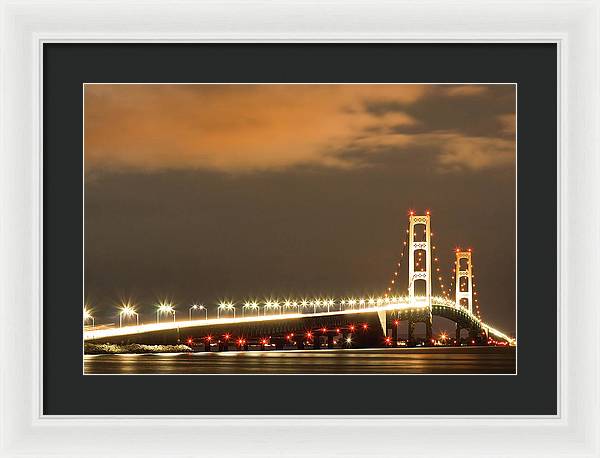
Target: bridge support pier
x,y
458,335
394,335
330,340
474,337
429,331
316,342
411,332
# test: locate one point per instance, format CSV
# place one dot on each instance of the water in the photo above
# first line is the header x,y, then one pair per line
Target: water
x,y
437,360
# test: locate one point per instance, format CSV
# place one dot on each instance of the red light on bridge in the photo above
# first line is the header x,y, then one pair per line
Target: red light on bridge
x,y
337,330
411,212
396,322
365,326
208,338
264,341
190,341
388,340
352,327
309,335
428,213
227,336
323,329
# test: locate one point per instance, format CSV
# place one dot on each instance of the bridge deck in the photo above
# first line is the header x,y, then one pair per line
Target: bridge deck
x,y
97,334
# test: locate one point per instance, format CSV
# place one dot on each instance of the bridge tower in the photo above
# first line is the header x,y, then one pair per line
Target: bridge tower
x,y
423,246
466,273
419,269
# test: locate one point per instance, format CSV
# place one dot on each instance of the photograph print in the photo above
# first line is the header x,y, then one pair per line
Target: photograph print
x,y
299,229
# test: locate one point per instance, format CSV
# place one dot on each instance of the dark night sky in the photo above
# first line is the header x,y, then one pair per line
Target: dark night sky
x,y
207,192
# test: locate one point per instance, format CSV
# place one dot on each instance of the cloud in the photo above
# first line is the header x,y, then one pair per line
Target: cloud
x,y
233,128
465,91
454,151
475,153
508,123
253,128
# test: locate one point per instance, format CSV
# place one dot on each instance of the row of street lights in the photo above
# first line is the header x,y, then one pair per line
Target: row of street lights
x,y
127,310
168,308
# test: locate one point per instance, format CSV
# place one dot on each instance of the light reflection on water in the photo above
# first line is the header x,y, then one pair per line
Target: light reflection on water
x,y
466,360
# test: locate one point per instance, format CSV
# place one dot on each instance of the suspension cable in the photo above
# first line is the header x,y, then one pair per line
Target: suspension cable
x,y
475,299
437,268
393,285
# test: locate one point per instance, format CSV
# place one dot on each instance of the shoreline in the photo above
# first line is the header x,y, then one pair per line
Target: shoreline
x,y
132,349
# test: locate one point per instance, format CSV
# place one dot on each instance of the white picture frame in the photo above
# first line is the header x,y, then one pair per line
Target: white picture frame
x,y
573,26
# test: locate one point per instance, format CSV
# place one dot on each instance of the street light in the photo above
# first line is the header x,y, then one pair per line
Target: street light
x,y
128,311
271,304
164,307
289,304
250,306
303,303
286,304
225,306
87,316
330,303
316,303
266,307
198,307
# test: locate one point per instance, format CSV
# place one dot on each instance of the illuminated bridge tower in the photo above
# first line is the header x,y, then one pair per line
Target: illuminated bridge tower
x,y
464,280
464,283
419,270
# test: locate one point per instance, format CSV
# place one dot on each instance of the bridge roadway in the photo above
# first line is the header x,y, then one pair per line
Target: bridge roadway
x,y
368,327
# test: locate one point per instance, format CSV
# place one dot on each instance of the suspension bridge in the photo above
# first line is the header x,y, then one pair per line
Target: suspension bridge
x,y
327,322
